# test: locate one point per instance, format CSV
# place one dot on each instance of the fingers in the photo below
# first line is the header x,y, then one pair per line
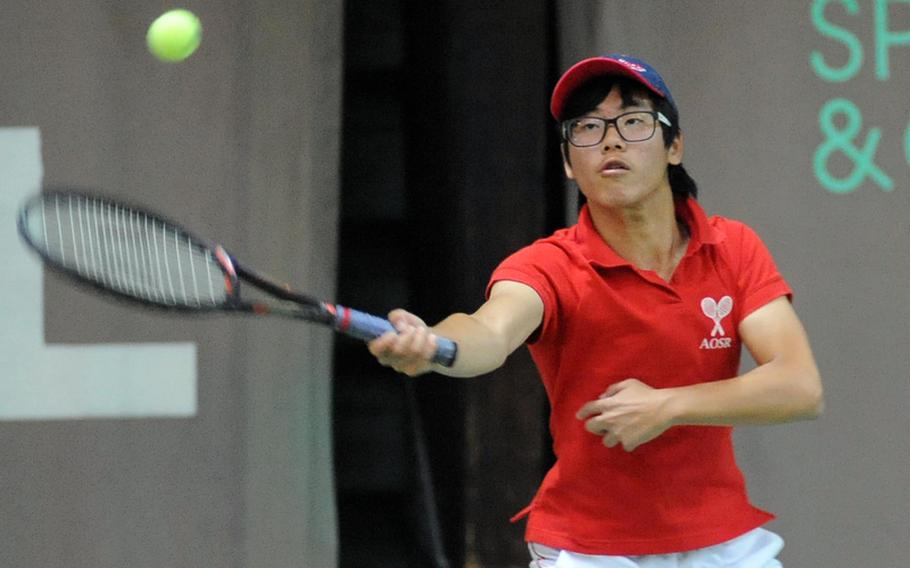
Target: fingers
x,y
595,420
591,408
614,432
605,418
614,437
618,387
610,439
403,318
610,436
410,350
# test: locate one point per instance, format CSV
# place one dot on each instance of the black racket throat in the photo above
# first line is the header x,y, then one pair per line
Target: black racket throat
x,y
282,291
297,305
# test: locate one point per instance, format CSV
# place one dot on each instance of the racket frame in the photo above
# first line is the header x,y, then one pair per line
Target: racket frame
x,y
346,320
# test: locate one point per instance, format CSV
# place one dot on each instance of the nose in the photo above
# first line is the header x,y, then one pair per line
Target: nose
x,y
612,139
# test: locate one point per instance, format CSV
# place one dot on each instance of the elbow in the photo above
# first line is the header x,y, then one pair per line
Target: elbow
x,y
500,355
813,397
815,408
818,407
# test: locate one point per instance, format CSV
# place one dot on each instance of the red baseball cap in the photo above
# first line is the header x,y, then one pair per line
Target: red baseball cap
x,y
611,64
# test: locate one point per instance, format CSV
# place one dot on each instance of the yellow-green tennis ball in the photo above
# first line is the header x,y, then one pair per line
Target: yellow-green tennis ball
x,y
174,35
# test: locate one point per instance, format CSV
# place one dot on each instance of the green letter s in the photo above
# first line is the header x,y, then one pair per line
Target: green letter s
x,y
826,28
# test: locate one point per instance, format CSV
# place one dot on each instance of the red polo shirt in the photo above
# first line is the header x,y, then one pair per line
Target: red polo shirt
x,y
605,321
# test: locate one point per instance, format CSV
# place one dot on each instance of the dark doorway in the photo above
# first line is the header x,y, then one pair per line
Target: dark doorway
x,y
447,167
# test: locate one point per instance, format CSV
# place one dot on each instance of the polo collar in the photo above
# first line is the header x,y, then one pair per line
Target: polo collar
x,y
597,251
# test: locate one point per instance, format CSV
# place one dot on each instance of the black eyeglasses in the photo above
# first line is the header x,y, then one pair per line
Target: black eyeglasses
x,y
634,126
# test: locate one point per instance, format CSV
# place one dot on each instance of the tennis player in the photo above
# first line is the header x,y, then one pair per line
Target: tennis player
x,y
635,317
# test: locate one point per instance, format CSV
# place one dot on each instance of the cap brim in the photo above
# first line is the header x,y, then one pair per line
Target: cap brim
x,y
584,71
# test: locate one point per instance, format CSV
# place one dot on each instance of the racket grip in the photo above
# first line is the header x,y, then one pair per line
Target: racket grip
x,y
365,327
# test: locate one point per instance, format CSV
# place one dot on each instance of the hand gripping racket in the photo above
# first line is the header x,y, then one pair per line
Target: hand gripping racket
x,y
142,257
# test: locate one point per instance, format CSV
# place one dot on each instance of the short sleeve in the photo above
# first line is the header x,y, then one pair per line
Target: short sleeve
x,y
542,267
758,278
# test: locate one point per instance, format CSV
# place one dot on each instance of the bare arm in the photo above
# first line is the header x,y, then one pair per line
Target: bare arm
x,y
784,386
485,338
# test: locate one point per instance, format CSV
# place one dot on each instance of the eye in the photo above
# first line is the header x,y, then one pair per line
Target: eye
x,y
586,125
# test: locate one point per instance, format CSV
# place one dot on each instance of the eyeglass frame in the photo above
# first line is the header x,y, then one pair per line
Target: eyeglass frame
x,y
655,114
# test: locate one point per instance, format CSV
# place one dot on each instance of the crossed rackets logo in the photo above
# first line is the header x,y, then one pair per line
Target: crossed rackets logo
x,y
716,311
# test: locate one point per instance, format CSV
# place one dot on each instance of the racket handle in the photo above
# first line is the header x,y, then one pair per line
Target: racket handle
x,y
365,327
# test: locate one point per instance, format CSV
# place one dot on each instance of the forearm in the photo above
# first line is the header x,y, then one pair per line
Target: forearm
x,y
771,393
484,338
480,350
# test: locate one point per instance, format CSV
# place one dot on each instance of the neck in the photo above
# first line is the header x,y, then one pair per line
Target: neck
x,y
646,234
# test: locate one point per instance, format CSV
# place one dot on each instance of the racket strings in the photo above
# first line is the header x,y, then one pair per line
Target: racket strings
x,y
128,252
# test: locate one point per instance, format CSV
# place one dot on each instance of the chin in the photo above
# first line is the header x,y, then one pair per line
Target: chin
x,y
621,196
617,198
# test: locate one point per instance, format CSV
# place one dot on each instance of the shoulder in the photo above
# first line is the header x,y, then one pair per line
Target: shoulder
x,y
750,262
734,231
556,249
727,232
546,265
737,240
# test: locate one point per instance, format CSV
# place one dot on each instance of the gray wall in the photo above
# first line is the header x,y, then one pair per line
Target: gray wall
x,y
247,130
750,104
240,142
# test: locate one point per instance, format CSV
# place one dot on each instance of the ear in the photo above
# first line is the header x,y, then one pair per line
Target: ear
x,y
566,163
675,151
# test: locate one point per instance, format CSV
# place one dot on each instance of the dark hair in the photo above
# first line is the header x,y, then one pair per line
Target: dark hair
x,y
586,98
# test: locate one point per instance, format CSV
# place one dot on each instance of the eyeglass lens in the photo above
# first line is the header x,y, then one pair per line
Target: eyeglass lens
x,y
632,127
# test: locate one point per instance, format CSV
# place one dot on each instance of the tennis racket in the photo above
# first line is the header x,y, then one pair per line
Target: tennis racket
x,y
139,256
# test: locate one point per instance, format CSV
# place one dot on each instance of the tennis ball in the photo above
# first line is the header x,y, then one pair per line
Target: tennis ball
x,y
174,35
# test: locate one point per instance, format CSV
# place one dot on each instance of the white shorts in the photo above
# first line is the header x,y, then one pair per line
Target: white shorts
x,y
757,548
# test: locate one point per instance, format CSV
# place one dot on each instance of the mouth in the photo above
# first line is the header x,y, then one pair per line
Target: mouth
x,y
614,166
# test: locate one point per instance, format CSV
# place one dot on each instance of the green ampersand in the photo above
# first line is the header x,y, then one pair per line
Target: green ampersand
x,y
842,141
